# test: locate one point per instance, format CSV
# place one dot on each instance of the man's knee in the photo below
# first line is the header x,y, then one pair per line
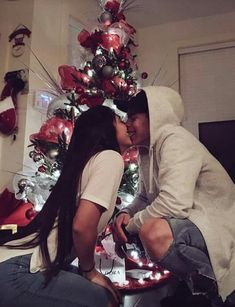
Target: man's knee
x,y
156,236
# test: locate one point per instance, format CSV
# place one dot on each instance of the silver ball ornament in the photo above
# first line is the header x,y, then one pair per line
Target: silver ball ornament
x,y
38,158
22,184
107,72
31,154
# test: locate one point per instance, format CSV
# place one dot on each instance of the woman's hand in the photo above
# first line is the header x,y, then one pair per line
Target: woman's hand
x,y
100,279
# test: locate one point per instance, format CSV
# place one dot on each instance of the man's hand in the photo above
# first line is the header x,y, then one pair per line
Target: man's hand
x,y
100,279
120,223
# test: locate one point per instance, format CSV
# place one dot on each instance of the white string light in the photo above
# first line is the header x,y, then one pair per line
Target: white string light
x,y
158,276
141,281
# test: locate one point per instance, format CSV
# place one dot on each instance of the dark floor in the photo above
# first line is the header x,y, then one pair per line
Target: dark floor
x,y
169,294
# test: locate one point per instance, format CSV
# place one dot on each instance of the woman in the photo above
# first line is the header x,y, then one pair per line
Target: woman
x,y
36,272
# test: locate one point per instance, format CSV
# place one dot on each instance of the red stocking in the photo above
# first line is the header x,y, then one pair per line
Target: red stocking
x,y
8,99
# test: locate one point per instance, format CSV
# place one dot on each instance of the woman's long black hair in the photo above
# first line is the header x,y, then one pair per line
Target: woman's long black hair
x,y
94,132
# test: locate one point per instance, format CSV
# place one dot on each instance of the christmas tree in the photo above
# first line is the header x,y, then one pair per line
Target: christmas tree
x,y
109,76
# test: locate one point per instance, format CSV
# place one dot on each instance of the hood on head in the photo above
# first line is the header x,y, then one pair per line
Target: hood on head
x,y
165,109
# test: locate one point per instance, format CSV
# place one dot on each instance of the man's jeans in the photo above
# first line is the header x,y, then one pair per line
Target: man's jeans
x,y
188,257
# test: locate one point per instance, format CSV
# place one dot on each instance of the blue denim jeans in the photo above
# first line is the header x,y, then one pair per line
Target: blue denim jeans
x,y
188,258
20,288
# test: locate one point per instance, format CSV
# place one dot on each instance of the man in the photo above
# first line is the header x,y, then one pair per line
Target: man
x,y
185,207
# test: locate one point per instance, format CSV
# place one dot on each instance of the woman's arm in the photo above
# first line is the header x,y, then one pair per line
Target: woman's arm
x,y
85,232
85,225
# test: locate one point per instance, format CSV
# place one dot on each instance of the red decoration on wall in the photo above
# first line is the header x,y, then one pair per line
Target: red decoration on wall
x,y
8,102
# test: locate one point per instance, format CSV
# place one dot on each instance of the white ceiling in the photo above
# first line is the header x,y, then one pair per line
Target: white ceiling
x,y
146,13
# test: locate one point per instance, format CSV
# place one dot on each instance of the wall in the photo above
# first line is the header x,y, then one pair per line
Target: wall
x,y
158,45
48,20
12,152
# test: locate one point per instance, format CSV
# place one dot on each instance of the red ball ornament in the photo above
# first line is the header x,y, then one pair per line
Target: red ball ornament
x,y
144,75
124,64
112,6
42,169
121,65
30,214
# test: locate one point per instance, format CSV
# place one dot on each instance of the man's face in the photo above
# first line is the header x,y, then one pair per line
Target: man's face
x,y
138,129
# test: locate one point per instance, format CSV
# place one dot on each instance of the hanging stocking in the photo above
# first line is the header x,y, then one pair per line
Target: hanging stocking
x,y
8,105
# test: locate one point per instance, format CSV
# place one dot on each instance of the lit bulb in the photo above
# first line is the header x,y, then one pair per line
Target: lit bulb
x,y
38,208
151,277
134,255
86,79
150,264
158,276
132,167
140,264
56,173
141,281
98,51
90,73
124,283
129,198
166,272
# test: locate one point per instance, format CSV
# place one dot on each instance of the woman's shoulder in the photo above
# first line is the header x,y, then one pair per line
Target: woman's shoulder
x,y
108,161
108,155
109,158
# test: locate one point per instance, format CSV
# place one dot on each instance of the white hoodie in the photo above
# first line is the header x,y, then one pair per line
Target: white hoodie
x,y
180,178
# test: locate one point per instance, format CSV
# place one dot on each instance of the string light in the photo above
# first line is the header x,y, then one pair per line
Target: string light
x,y
133,167
141,281
158,276
90,72
98,51
134,255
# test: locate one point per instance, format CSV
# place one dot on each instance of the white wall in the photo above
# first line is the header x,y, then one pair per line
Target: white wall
x,y
50,34
48,20
158,45
11,152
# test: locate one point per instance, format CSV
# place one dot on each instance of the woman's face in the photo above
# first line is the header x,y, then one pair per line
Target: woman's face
x,y
123,138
